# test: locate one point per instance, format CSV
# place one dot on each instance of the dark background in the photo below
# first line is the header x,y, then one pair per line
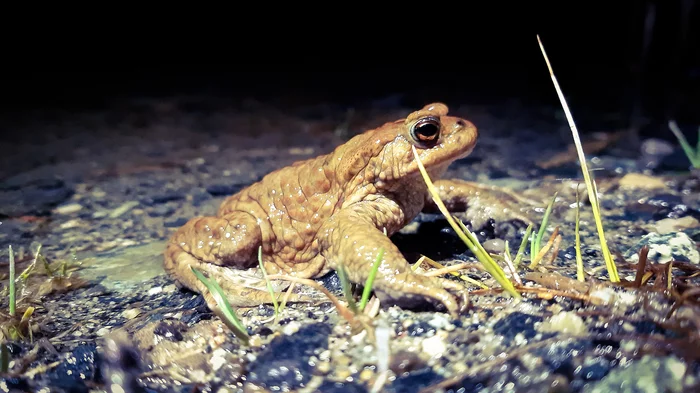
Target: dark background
x,y
473,54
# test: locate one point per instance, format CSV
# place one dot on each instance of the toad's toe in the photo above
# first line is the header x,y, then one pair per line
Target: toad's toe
x,y
458,290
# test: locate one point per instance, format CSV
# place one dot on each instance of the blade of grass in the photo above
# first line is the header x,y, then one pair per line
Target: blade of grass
x,y
592,195
544,250
577,246
511,267
468,279
521,249
12,283
543,228
420,260
24,322
693,156
370,279
228,316
28,270
347,291
267,282
285,299
489,264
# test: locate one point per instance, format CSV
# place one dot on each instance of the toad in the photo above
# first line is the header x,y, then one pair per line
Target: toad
x,y
332,210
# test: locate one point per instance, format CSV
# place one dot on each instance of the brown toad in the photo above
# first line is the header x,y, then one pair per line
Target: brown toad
x,y
316,214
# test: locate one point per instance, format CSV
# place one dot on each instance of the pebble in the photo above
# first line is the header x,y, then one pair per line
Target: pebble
x,y
323,367
291,328
123,208
440,322
68,208
98,193
669,225
495,246
102,331
564,322
366,375
640,181
131,313
434,346
218,359
71,224
155,291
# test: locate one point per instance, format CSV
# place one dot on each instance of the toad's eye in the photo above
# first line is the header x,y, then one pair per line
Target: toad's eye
x,y
426,131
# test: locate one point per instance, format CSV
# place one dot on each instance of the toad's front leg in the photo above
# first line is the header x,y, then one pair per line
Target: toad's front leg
x,y
350,238
480,202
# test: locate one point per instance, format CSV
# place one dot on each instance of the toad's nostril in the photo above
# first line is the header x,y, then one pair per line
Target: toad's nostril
x,y
461,123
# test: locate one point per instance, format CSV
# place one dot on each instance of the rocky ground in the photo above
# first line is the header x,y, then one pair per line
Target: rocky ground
x,y
102,194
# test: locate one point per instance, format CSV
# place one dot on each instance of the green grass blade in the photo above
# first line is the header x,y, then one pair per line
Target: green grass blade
x,y
13,300
536,244
543,226
228,315
267,281
347,291
521,249
370,279
687,149
590,182
577,246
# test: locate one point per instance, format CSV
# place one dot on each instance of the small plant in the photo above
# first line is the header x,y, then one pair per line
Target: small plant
x,y
536,243
224,310
469,239
523,243
577,246
692,154
13,301
347,288
370,279
590,183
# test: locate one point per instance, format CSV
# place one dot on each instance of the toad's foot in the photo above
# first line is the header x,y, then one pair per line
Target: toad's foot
x,y
225,250
350,239
479,203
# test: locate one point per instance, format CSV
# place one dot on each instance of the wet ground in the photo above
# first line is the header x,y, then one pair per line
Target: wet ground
x,y
106,318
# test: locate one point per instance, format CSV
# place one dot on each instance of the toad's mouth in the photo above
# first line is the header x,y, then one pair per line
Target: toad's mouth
x,y
446,159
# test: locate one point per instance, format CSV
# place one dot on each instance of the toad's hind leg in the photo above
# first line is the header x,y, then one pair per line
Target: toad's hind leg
x,y
224,249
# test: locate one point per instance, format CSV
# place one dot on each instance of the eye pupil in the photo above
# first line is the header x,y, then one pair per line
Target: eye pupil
x,y
426,131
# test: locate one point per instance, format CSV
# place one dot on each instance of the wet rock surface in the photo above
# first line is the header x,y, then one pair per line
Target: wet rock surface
x,y
106,206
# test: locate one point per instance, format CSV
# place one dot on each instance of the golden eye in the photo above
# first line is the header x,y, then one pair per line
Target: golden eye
x,y
426,131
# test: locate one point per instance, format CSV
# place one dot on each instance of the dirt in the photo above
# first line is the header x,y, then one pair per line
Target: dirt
x,y
103,194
